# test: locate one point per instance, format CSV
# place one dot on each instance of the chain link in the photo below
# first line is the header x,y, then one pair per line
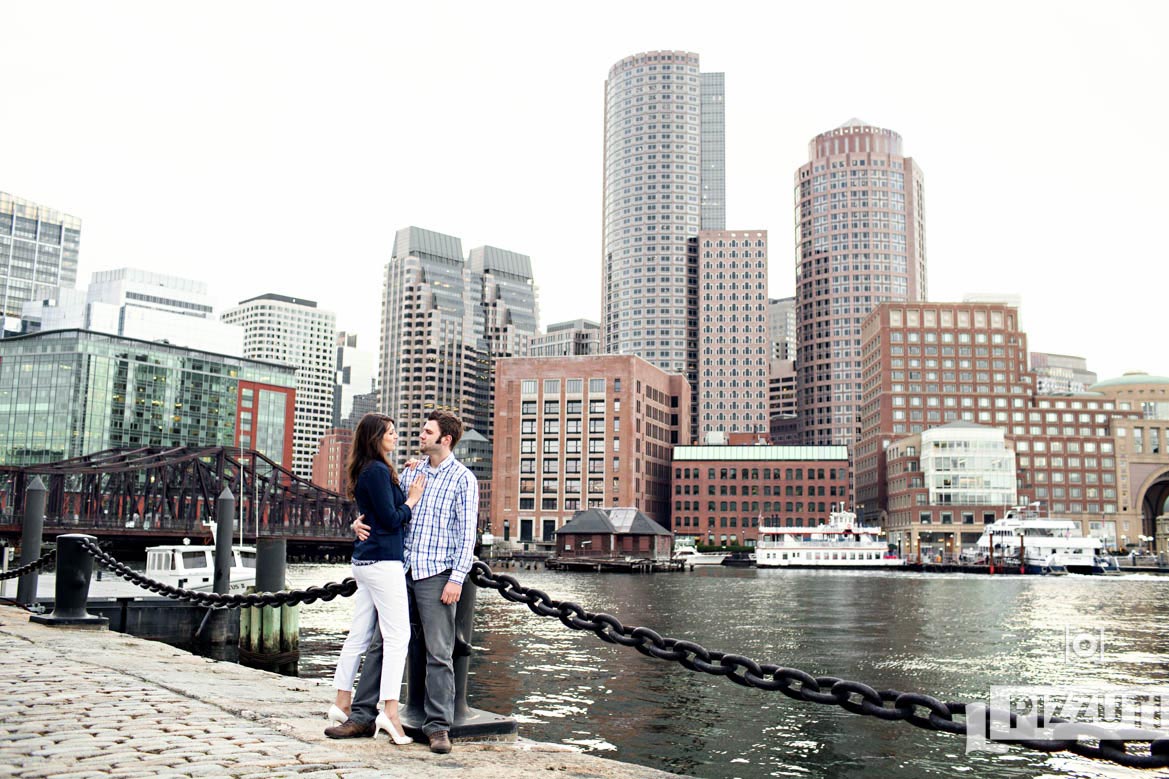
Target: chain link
x,y
35,565
216,600
922,711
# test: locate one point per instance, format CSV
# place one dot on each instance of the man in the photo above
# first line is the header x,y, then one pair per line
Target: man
x,y
439,546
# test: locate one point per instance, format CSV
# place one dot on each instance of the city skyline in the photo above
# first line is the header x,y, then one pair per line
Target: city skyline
x,y
169,118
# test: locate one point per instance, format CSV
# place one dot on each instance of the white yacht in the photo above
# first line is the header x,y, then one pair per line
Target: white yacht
x,y
193,567
691,556
842,543
1038,544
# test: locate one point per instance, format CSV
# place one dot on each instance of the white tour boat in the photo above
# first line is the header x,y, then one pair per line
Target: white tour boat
x,y
691,556
842,543
1048,544
193,567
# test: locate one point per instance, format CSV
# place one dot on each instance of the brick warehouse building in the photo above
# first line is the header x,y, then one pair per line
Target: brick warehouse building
x,y
721,493
929,364
573,433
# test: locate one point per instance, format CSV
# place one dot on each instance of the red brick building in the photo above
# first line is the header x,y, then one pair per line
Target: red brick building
x,y
573,433
329,461
720,493
925,365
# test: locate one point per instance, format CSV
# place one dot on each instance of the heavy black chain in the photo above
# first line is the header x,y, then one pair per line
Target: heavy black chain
x,y
216,600
917,709
35,565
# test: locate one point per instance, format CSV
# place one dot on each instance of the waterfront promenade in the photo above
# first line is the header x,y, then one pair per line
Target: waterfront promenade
x,y
80,703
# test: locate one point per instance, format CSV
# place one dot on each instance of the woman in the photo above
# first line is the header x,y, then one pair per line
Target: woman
x,y
380,600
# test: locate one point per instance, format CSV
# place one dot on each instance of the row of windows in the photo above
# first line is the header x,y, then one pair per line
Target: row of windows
x,y
767,490
571,386
754,474
552,407
754,506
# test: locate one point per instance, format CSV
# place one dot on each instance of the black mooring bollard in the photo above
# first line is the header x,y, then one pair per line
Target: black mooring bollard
x,y
74,568
469,722
224,557
221,626
30,539
271,563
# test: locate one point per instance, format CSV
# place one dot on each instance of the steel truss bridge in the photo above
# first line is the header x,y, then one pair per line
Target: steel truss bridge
x,y
157,493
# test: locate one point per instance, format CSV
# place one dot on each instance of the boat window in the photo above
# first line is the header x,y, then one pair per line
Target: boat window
x,y
159,561
249,559
194,560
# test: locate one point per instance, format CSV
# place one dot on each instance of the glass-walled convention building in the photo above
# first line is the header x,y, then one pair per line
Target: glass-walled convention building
x,y
67,393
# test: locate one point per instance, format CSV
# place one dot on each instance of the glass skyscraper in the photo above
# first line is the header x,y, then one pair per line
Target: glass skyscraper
x,y
38,250
714,151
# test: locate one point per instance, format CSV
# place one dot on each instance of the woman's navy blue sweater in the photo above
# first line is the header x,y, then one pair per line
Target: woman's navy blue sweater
x,y
386,512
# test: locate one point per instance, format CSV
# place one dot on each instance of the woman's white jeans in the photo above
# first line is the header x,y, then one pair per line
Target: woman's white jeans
x,y
380,601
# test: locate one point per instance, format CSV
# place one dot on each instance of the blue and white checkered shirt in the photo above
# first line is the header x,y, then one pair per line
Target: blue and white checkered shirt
x,y
441,533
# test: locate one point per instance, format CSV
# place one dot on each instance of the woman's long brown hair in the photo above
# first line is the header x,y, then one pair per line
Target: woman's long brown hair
x,y
367,448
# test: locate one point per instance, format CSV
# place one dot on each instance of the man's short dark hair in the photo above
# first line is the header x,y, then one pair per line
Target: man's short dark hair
x,y
448,424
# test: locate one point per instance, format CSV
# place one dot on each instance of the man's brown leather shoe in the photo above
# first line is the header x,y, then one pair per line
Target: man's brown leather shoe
x,y
440,742
351,729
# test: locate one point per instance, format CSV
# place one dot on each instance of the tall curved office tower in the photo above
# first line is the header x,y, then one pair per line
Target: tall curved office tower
x,y
860,241
661,117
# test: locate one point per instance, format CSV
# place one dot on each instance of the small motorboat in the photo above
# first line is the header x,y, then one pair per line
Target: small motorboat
x,y
193,567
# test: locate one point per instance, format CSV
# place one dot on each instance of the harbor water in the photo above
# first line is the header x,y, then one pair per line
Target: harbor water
x,y
952,636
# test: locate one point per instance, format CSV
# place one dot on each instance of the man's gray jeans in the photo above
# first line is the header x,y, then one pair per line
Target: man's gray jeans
x,y
433,622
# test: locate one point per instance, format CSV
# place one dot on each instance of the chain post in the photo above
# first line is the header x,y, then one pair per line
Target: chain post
x,y
30,539
74,569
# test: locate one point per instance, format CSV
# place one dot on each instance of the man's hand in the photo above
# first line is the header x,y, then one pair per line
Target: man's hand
x,y
451,593
360,529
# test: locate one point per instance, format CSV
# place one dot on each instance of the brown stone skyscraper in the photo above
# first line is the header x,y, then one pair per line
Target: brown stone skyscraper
x,y
860,241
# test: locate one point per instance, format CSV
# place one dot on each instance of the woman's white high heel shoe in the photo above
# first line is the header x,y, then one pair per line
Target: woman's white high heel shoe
x,y
383,723
336,715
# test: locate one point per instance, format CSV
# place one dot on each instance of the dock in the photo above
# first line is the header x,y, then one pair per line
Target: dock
x,y
103,705
612,564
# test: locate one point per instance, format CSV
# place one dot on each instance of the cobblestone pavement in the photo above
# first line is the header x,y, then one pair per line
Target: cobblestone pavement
x,y
81,704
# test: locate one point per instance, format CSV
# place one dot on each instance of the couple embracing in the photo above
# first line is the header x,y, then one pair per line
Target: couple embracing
x,y
415,546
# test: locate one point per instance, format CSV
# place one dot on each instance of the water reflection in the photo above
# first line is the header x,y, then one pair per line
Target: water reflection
x,y
951,636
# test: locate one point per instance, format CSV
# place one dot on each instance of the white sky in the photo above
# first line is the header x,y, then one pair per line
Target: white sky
x,y
276,147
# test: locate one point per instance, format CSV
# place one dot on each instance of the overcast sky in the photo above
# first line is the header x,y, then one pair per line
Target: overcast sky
x,y
276,147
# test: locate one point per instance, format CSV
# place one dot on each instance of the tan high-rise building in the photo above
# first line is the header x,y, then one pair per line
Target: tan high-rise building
x,y
573,433
295,332
733,337
664,181
445,320
860,241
